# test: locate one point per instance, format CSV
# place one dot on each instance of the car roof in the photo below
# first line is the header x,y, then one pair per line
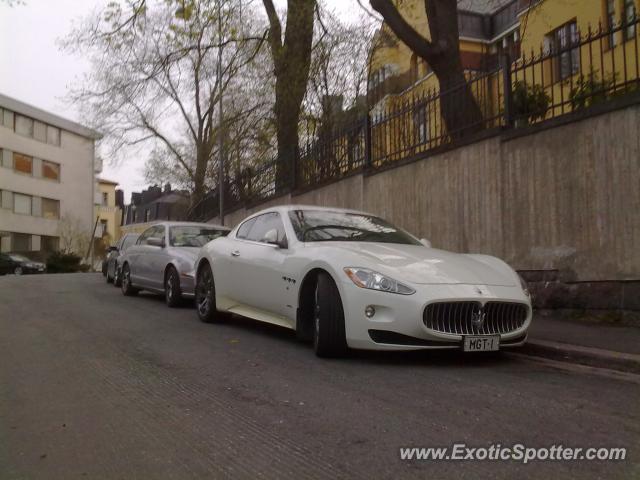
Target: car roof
x,y
292,207
192,224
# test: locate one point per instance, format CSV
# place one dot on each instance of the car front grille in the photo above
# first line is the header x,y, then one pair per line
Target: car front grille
x,y
472,318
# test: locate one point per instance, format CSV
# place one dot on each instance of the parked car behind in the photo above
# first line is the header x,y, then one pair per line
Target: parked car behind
x,y
19,264
162,259
116,252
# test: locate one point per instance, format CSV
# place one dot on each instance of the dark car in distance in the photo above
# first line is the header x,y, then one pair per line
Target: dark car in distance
x,y
19,264
112,266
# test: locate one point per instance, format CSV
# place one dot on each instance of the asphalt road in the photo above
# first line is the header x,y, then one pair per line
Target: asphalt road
x,y
97,385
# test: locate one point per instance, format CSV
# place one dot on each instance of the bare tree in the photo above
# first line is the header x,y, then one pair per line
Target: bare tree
x,y
441,51
154,80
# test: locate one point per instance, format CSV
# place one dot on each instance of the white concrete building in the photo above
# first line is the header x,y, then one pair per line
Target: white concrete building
x,y
47,178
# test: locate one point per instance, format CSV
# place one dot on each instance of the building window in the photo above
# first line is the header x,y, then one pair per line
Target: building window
x,y
147,215
21,204
40,131
49,244
103,228
564,42
629,20
6,199
20,242
105,199
421,124
50,170
53,135
50,208
7,118
22,163
24,126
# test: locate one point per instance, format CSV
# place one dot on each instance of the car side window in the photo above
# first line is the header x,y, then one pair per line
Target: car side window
x,y
142,240
128,241
147,234
159,232
243,231
263,224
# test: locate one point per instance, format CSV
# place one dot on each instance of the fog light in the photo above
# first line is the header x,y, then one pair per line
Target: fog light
x,y
369,311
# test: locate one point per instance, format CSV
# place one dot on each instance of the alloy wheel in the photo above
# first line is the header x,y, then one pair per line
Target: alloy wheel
x,y
204,291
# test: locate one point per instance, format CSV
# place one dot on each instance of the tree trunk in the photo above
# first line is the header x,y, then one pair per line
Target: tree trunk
x,y
291,60
458,106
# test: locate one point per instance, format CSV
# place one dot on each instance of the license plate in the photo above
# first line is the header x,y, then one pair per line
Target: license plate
x,y
485,343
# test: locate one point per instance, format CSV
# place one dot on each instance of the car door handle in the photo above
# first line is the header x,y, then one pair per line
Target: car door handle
x,y
235,253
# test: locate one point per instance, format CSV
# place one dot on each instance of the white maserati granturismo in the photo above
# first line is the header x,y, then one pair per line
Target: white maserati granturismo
x,y
347,279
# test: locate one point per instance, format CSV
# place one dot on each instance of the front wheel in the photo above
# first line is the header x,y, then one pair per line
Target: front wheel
x,y
127,289
329,339
206,296
172,295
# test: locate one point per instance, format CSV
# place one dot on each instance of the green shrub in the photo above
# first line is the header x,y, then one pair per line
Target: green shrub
x,y
59,262
589,90
530,102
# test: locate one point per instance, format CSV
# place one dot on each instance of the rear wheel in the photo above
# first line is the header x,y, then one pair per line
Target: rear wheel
x,y
172,295
206,296
117,281
108,277
127,288
328,331
18,271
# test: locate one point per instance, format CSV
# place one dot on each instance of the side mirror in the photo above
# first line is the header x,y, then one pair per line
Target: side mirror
x,y
112,248
155,241
425,242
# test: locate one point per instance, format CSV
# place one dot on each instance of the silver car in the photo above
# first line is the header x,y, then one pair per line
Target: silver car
x,y
162,259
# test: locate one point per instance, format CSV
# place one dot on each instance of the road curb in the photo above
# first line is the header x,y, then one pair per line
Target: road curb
x,y
594,357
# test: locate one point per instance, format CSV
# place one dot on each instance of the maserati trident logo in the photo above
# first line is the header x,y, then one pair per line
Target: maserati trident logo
x,y
478,317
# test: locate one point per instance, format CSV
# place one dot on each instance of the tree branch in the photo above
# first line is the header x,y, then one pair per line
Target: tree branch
x,y
405,32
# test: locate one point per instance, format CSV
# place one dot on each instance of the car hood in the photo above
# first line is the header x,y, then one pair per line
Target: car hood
x,y
421,265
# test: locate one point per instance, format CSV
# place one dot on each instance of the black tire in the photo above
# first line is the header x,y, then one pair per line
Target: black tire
x,y
18,271
328,323
127,289
206,296
108,277
172,294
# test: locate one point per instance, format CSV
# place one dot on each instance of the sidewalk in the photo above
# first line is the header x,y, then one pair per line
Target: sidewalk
x,y
585,342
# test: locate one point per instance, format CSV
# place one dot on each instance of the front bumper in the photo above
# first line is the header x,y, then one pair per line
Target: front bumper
x,y
398,323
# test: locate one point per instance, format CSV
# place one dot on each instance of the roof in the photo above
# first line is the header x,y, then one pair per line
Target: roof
x,y
172,197
47,117
482,6
108,182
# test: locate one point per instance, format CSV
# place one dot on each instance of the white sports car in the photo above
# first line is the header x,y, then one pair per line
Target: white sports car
x,y
347,279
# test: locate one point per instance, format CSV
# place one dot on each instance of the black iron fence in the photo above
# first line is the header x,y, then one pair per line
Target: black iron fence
x,y
572,71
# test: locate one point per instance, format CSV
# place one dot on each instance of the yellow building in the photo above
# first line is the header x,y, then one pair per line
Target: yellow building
x,y
109,214
559,53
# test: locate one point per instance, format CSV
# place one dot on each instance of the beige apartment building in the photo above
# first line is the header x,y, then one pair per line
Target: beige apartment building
x,y
47,180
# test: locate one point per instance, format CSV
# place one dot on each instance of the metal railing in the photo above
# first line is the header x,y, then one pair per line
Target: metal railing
x,y
572,72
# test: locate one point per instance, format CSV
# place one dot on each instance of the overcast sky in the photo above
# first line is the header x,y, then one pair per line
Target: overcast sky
x,y
35,71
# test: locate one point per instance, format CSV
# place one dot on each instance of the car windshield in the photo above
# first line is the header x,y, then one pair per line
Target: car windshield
x,y
18,258
323,226
193,236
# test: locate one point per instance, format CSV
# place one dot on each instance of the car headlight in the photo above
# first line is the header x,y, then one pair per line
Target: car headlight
x,y
525,287
365,278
